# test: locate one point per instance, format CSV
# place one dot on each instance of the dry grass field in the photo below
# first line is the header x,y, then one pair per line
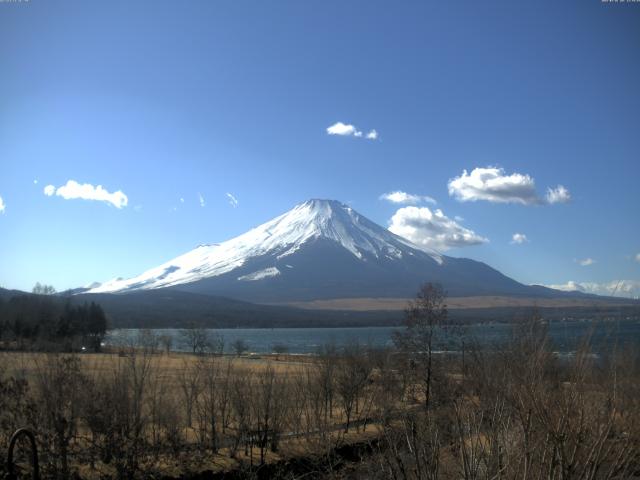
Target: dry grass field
x,y
489,301
174,401
522,412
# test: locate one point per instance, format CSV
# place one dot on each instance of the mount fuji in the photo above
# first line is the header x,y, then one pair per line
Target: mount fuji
x,y
320,250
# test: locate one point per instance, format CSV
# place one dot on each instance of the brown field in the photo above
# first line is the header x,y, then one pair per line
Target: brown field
x,y
175,384
171,365
398,304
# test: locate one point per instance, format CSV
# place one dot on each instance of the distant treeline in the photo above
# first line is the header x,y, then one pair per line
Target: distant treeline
x,y
167,308
44,321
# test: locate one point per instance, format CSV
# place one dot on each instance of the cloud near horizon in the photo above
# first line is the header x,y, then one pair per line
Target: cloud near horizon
x,y
348,130
586,262
401,197
493,185
432,229
73,190
617,288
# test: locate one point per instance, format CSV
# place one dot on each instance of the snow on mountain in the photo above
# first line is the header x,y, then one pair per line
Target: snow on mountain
x,y
260,274
281,237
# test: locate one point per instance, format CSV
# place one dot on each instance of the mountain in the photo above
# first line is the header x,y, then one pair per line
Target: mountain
x,y
321,249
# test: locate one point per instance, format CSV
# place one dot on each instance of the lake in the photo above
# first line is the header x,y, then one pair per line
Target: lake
x,y
565,336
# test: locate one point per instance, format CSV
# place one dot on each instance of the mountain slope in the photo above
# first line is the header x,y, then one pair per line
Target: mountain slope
x,y
320,249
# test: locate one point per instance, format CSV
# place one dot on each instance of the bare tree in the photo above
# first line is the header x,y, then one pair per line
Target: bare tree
x,y
199,340
208,403
352,376
189,382
147,340
167,342
240,346
41,289
327,358
423,317
240,401
268,405
60,384
279,349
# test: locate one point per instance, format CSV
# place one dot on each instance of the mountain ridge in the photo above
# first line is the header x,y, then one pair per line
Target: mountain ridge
x,y
320,249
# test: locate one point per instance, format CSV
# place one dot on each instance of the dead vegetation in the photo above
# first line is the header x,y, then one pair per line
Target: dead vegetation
x,y
517,412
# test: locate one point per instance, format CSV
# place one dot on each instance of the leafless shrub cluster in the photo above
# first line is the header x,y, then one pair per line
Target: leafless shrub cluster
x,y
126,414
520,411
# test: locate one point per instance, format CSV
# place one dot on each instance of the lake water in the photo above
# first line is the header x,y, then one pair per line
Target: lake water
x,y
565,336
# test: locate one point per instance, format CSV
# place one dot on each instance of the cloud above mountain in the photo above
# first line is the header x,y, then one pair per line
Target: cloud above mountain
x,y
558,195
432,229
400,197
492,184
349,130
519,238
372,135
73,190
233,201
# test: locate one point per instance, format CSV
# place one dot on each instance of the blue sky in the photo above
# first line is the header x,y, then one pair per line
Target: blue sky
x,y
164,101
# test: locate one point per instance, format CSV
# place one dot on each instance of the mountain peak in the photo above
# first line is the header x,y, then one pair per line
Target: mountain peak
x,y
324,202
316,219
319,207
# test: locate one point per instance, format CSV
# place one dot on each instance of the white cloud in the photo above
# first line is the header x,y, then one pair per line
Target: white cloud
x,y
181,200
638,257
570,286
432,229
406,198
558,195
2,205
35,182
519,238
232,200
586,262
201,200
492,184
617,288
348,130
340,128
73,190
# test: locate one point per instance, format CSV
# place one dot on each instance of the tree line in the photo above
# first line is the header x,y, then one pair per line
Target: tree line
x,y
42,320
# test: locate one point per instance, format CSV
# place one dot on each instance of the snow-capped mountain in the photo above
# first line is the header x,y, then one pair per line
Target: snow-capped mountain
x,y
318,250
